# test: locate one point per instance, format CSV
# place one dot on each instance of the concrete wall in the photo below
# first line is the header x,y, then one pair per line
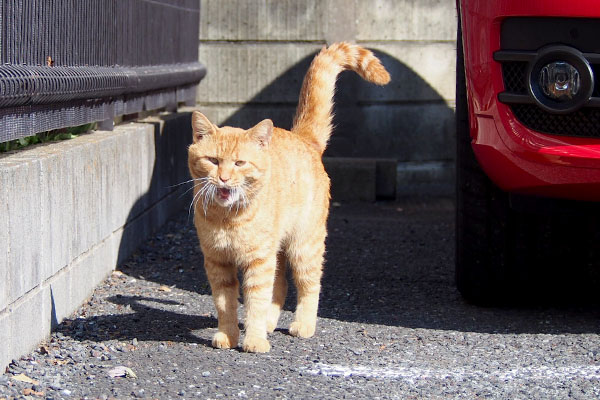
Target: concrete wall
x,y
257,52
73,210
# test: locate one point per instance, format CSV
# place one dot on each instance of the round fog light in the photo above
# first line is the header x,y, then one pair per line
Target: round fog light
x,y
559,81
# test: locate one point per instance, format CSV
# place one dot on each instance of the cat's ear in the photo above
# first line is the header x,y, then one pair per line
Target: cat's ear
x,y
262,132
201,126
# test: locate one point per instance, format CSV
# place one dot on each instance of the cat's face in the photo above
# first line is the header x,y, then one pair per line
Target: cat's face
x,y
228,165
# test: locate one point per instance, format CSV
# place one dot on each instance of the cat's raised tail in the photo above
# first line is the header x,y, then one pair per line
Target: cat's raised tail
x,y
315,107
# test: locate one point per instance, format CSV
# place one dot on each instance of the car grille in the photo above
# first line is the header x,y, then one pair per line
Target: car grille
x,y
583,122
513,74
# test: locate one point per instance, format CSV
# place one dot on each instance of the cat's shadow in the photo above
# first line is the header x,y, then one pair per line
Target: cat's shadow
x,y
145,319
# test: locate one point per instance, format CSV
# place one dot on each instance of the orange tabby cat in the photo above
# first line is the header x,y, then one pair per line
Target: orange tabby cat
x,y
261,201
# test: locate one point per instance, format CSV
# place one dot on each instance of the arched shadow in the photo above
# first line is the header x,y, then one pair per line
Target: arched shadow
x,y
405,120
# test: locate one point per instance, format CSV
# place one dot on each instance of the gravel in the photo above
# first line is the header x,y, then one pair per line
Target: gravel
x,y
391,325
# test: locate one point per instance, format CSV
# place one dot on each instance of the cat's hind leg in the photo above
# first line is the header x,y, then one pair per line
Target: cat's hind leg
x,y
279,293
306,260
225,291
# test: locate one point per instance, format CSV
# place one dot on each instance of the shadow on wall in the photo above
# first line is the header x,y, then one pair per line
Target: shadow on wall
x,y
406,120
166,194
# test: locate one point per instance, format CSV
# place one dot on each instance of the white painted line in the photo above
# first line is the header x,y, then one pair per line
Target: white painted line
x,y
413,374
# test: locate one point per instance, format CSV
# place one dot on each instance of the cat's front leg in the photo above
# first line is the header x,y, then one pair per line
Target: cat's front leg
x,y
259,276
225,290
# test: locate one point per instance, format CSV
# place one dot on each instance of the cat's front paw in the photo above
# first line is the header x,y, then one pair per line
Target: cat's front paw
x,y
255,344
302,330
223,341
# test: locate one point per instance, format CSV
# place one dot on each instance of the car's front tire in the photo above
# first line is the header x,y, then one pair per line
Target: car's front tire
x,y
481,213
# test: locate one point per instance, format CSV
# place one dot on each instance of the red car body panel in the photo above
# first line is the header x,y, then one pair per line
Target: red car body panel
x,y
515,157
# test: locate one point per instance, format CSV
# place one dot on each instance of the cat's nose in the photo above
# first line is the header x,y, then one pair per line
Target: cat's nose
x,y
224,179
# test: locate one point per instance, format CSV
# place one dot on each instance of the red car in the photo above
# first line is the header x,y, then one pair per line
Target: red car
x,y
528,148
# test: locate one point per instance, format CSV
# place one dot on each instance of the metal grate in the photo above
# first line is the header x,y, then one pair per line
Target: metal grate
x,y
585,122
58,57
515,76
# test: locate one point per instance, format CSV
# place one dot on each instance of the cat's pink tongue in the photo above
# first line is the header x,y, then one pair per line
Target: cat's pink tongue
x,y
223,193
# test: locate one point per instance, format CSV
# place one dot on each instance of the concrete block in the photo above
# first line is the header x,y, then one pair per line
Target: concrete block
x,y
111,182
79,233
433,178
361,178
4,244
385,178
431,20
5,354
57,197
404,132
140,147
246,116
339,20
60,289
239,73
23,209
172,138
29,322
352,179
263,20
311,20
104,262
117,184
83,271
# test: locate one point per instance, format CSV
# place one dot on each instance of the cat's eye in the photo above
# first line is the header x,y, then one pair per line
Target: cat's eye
x,y
240,163
213,160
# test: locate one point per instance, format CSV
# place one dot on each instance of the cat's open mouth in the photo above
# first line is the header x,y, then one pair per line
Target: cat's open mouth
x,y
223,193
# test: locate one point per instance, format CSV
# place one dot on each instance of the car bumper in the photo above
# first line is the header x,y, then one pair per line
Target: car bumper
x,y
515,157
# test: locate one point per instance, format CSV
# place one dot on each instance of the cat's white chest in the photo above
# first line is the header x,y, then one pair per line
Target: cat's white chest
x,y
223,239
227,240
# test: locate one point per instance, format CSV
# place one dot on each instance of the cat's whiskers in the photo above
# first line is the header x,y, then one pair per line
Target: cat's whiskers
x,y
183,183
205,187
195,200
197,182
209,196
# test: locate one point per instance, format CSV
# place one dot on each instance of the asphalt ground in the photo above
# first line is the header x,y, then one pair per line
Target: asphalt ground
x,y
391,326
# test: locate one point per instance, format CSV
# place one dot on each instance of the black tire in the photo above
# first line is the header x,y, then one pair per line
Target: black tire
x,y
481,212
512,248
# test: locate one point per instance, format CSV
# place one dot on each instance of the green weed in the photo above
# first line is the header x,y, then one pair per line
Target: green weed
x,y
45,137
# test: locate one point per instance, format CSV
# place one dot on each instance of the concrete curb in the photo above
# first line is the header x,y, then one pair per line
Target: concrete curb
x,y
73,210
